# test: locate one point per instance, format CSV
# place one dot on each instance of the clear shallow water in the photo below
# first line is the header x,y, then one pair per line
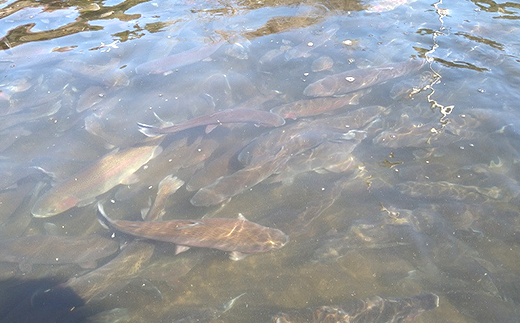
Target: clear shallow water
x,y
428,204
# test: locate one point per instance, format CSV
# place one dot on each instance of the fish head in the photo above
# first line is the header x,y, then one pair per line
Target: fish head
x,y
49,205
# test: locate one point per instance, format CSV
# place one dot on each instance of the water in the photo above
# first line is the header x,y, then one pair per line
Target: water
x,y
426,200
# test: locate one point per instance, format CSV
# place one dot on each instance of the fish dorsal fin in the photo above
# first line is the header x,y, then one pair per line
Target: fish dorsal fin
x,y
237,255
210,128
242,217
180,248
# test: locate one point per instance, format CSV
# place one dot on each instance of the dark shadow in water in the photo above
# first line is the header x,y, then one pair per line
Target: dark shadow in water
x,y
24,301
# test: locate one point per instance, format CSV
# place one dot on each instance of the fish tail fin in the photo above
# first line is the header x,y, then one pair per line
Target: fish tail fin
x,y
148,130
103,218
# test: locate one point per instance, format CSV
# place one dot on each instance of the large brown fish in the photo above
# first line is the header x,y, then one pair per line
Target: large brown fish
x,y
354,80
239,236
259,117
82,188
374,310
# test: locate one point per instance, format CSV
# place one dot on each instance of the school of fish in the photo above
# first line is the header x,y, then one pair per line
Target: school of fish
x,y
299,149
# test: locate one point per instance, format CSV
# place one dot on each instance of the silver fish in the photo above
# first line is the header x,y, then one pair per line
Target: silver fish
x,y
168,64
354,80
82,188
262,118
56,250
108,278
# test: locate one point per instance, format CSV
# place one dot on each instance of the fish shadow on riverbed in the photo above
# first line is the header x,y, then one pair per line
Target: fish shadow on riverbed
x,y
25,301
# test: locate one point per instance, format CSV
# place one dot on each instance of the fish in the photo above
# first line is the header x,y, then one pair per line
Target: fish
x,y
56,250
482,306
170,269
375,309
266,156
213,169
167,64
364,236
107,279
313,107
322,63
82,188
167,187
292,140
310,43
21,218
228,186
358,79
115,315
327,157
450,191
238,236
258,117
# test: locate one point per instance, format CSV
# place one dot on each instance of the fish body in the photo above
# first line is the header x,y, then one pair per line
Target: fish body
x,y
358,79
310,43
322,63
107,279
365,236
374,310
82,188
170,269
167,187
228,186
450,191
56,250
259,117
312,107
188,57
235,235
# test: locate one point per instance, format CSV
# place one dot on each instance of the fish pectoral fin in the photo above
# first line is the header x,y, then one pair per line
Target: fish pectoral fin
x,y
179,249
144,211
210,128
130,179
242,217
237,255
